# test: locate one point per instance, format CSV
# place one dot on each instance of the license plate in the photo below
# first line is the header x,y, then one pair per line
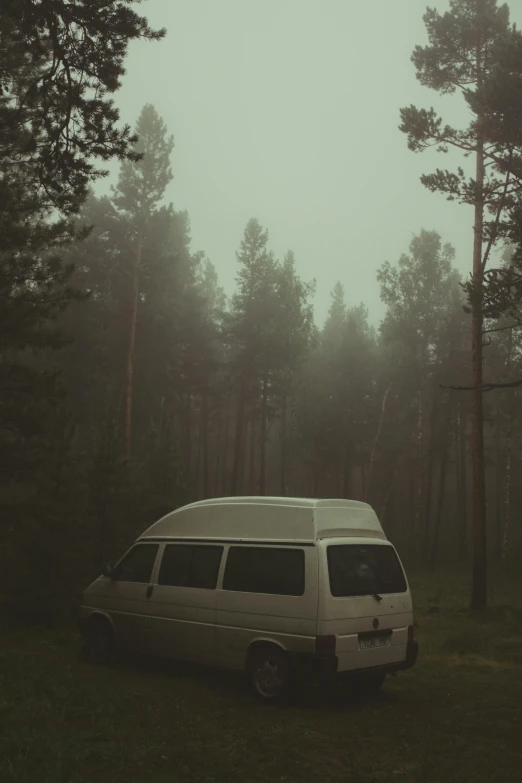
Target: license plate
x,y
370,642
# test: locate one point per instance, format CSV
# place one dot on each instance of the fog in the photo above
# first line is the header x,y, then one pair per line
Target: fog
x,y
288,111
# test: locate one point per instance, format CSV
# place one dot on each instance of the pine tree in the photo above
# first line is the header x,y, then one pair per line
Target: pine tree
x,y
463,55
58,69
140,189
247,328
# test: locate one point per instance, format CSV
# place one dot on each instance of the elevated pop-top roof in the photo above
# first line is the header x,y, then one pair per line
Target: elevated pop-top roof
x,y
248,519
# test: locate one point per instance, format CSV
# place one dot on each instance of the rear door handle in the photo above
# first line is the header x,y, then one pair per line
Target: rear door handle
x,y
150,588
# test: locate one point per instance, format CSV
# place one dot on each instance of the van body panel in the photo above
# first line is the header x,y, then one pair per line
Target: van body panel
x,y
365,633
126,604
182,624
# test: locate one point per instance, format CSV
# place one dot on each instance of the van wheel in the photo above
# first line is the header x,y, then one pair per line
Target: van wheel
x,y
268,669
100,642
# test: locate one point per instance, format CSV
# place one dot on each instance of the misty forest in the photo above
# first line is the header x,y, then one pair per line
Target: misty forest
x,y
132,382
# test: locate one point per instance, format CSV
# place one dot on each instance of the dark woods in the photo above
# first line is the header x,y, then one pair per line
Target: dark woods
x,y
131,384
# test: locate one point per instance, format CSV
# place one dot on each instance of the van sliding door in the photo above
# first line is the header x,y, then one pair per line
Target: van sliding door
x,y
182,623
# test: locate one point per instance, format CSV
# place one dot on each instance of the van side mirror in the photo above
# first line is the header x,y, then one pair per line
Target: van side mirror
x,y
108,570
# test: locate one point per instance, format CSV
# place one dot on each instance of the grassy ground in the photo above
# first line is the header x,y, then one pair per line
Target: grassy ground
x,y
455,718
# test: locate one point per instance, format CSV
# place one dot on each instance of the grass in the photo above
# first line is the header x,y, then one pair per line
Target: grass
x,y
455,718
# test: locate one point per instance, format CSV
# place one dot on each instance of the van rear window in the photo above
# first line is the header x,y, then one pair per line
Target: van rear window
x,y
259,569
364,570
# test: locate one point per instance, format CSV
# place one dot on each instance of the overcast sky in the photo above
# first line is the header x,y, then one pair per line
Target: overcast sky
x,y
288,111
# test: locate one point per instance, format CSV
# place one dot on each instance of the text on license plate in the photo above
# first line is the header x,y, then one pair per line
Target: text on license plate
x,y
369,642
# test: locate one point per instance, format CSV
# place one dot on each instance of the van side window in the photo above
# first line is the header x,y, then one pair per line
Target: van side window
x,y
259,569
137,564
187,565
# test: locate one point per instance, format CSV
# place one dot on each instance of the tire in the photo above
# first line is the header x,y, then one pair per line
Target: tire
x,y
268,671
100,643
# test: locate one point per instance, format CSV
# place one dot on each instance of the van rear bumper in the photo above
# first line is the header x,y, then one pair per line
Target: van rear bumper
x,y
324,668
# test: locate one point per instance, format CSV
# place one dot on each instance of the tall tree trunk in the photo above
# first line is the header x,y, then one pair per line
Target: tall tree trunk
x,y
129,385
252,456
263,436
479,586
204,456
216,490
363,481
224,474
316,468
197,482
429,471
374,445
499,488
419,473
389,493
188,441
441,493
462,489
239,437
282,474
507,483
411,495
347,472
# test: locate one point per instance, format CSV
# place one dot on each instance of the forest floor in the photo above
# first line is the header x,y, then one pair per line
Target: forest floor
x,y
456,717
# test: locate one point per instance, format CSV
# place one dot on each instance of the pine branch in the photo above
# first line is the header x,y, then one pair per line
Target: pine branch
x,y
502,328
485,386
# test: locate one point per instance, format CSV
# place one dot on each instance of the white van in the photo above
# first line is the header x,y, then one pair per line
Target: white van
x,y
279,587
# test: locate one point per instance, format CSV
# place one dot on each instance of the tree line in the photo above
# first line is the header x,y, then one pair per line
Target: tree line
x,y
130,383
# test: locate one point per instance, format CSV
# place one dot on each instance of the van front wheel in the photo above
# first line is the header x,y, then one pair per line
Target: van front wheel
x,y
268,668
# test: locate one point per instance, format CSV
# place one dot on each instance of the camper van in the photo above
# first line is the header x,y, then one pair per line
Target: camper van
x,y
282,588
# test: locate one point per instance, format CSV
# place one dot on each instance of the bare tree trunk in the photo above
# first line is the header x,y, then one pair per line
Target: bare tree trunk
x,y
262,445
347,473
499,516
411,494
387,498
507,484
282,475
441,493
129,387
316,469
252,457
224,474
219,434
419,472
197,483
479,586
463,485
239,437
374,445
188,441
429,471
204,425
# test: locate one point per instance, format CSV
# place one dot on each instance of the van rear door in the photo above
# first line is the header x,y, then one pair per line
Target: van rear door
x,y
364,602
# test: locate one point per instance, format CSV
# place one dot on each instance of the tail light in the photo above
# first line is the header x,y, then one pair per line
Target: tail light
x,y
410,633
325,645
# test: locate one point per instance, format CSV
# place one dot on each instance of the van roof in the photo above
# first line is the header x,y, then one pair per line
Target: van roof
x,y
304,520
281,501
